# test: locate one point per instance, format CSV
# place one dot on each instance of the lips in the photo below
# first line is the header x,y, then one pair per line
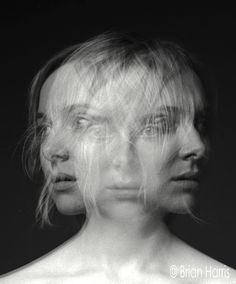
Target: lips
x,y
63,182
187,181
62,177
124,186
188,176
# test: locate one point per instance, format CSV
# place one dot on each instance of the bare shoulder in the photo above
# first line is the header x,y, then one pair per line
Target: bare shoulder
x,y
193,264
42,270
33,272
63,265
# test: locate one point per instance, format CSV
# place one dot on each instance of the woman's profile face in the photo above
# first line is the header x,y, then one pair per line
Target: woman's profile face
x,y
125,153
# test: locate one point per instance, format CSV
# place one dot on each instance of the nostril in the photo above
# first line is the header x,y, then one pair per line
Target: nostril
x,y
60,157
192,152
192,145
55,157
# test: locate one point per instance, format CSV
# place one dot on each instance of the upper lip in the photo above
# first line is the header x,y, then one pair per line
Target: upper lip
x,y
63,177
124,186
187,176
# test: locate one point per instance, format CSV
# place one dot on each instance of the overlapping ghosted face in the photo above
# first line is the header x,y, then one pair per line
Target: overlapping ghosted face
x,y
123,146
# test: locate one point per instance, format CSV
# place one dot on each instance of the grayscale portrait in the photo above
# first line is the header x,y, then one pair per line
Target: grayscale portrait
x,y
119,139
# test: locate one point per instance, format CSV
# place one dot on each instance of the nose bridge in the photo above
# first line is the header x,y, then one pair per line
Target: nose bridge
x,y
54,148
124,148
192,145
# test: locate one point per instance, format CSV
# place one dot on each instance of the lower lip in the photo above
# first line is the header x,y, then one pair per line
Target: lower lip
x,y
64,186
125,192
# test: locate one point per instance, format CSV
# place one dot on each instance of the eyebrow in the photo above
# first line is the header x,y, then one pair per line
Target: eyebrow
x,y
86,106
167,109
83,108
163,111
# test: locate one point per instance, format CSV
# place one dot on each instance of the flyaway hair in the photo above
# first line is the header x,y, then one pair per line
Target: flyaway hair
x,y
155,71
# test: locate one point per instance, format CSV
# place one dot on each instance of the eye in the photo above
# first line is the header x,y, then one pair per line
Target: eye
x,y
81,123
99,132
42,126
42,129
201,124
158,126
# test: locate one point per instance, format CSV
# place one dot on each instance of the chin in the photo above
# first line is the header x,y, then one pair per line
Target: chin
x,y
173,203
68,205
181,205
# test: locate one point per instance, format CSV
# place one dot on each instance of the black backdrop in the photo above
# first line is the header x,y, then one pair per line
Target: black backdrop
x,y
32,33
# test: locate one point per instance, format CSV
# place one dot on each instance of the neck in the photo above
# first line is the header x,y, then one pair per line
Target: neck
x,y
126,240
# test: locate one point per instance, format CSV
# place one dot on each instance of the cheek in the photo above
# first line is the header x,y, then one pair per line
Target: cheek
x,y
154,159
45,164
89,161
157,163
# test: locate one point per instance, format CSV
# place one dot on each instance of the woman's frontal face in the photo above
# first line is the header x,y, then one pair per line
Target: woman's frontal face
x,y
123,147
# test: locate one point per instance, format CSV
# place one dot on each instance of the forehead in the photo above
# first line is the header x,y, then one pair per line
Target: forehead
x,y
133,91
55,90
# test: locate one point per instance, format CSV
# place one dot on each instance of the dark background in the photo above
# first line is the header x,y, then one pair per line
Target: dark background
x,y
31,34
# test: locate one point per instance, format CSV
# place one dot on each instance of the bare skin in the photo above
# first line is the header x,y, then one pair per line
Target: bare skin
x,y
125,240
71,264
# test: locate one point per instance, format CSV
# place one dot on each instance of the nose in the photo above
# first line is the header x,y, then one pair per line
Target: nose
x,y
124,153
192,146
55,153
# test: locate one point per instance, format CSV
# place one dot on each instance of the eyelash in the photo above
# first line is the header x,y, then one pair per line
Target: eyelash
x,y
162,126
159,126
42,130
79,124
95,129
201,124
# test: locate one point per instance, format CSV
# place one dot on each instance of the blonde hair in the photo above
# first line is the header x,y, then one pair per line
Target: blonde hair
x,y
98,62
